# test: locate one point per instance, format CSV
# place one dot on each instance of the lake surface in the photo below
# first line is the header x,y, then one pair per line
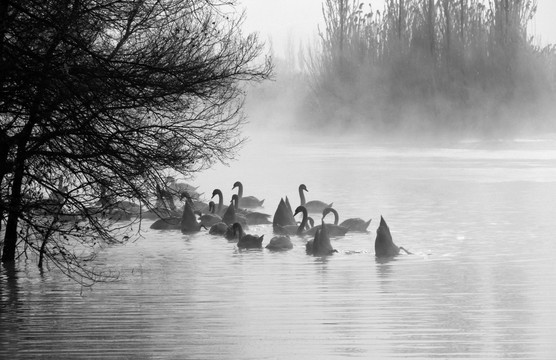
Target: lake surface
x,y
479,217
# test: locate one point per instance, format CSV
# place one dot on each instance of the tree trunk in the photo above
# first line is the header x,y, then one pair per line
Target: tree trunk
x,y
10,237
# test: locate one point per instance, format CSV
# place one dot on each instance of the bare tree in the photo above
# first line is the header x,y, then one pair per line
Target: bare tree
x,y
109,95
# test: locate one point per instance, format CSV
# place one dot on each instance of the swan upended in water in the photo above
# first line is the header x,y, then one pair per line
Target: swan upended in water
x,y
280,243
384,244
320,245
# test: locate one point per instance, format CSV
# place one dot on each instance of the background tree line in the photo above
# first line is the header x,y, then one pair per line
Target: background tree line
x,y
433,65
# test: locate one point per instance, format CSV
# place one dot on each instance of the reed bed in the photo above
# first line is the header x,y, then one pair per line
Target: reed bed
x,y
442,64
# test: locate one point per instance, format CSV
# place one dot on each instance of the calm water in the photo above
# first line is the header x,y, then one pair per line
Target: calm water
x,y
479,217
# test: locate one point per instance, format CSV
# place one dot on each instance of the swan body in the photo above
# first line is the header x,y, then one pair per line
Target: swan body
x,y
356,224
222,229
294,229
282,216
189,222
313,206
249,217
320,245
333,230
229,216
384,244
246,201
177,188
168,223
211,218
280,243
352,224
246,241
218,229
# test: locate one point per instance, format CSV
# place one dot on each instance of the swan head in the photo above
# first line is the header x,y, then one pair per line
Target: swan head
x,y
216,192
212,206
300,209
236,184
326,211
235,200
302,187
185,195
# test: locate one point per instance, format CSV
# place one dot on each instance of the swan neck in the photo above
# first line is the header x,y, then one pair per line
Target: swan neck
x,y
240,191
301,196
220,200
335,216
303,222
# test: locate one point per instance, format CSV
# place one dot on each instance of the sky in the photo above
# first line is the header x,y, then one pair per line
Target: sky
x,y
298,19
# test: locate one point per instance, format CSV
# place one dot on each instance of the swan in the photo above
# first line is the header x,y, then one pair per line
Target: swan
x,y
220,208
320,245
279,243
177,188
231,216
333,229
211,218
313,206
352,224
384,245
189,222
246,201
246,241
282,216
294,229
167,223
251,217
222,229
162,196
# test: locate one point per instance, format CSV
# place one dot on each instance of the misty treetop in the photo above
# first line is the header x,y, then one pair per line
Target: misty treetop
x,y
100,99
453,64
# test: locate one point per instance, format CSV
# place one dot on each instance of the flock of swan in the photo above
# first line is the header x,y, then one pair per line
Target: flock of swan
x,y
231,221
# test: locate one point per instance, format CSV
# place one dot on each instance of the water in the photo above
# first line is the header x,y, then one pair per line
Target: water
x,y
478,216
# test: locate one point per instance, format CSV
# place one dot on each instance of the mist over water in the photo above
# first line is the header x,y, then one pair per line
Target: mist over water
x,y
477,216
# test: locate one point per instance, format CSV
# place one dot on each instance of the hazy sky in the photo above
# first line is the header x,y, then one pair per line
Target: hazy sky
x,y
299,18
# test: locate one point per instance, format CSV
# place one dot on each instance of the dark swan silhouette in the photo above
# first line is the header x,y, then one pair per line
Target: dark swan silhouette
x,y
246,241
313,206
246,201
320,245
250,217
352,224
220,207
280,243
189,222
210,218
294,229
384,244
282,216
